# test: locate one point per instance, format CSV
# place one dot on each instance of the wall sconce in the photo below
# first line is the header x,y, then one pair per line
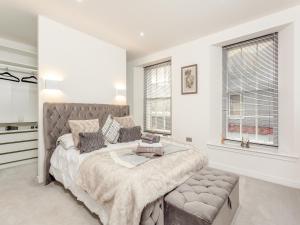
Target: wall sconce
x,y
52,84
121,94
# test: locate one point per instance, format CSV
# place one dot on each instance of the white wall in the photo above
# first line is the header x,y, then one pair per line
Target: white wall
x,y
89,69
200,117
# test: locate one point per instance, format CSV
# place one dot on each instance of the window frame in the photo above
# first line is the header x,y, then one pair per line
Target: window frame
x,y
227,114
157,131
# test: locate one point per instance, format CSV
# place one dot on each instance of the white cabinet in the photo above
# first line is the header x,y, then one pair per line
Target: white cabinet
x,y
18,147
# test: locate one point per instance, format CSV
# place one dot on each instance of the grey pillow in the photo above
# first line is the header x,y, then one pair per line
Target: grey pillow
x,y
130,134
91,141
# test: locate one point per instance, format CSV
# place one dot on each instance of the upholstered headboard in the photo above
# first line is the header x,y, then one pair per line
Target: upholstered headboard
x,y
56,116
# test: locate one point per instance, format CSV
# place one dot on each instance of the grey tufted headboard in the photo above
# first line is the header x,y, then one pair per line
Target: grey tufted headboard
x,y
56,116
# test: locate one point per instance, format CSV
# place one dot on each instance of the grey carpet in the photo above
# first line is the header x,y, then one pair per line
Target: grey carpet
x,y
24,202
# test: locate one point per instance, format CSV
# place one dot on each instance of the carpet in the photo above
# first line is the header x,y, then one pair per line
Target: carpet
x,y
25,202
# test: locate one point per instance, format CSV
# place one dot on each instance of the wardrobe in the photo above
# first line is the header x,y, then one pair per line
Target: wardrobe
x,y
18,103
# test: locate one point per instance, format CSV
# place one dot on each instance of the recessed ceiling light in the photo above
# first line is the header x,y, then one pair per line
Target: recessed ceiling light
x,y
142,34
79,1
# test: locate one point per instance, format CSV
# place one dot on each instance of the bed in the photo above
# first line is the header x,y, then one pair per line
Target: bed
x,y
73,169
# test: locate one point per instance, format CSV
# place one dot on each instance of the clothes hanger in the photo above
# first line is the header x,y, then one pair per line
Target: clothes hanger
x,y
8,76
27,79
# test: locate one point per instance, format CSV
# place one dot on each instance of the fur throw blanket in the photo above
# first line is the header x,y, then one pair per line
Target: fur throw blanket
x,y
125,192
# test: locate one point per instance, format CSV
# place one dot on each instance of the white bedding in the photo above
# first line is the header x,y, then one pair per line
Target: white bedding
x,y
65,166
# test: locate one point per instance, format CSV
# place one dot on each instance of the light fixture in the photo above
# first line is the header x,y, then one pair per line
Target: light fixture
x,y
79,1
120,94
142,34
52,84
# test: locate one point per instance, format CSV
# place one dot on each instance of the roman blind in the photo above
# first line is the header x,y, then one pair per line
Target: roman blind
x,y
157,98
250,90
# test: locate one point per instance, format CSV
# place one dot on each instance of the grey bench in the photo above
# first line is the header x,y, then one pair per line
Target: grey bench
x,y
210,197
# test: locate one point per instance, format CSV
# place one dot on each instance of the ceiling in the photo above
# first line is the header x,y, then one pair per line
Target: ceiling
x,y
165,23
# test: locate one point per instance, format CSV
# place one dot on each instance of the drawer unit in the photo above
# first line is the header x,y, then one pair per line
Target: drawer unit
x,y
18,147
17,156
17,163
17,136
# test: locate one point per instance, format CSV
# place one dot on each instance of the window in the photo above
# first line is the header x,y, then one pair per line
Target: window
x,y
250,90
235,105
157,98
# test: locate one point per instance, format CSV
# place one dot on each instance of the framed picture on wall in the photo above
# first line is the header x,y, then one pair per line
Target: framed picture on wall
x,y
189,79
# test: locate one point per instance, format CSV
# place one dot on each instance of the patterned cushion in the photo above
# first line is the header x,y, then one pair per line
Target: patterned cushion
x,y
125,121
110,130
130,134
91,141
81,126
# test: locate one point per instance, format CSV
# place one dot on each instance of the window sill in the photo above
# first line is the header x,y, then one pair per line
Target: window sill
x,y
265,152
157,133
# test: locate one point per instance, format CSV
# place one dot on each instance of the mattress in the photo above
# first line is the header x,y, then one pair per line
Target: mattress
x,y
65,166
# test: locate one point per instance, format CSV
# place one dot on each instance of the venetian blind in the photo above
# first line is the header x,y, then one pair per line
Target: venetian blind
x,y
250,90
157,98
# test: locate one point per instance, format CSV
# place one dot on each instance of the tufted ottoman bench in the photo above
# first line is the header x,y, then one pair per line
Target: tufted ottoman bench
x,y
210,197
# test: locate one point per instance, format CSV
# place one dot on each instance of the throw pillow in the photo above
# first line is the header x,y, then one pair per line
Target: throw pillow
x,y
91,141
130,134
125,121
81,126
110,130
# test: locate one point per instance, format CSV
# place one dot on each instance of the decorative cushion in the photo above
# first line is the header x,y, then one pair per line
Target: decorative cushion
x,y
110,130
125,121
130,134
91,141
81,126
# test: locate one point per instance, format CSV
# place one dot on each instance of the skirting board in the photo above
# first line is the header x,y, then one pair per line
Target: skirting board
x,y
254,174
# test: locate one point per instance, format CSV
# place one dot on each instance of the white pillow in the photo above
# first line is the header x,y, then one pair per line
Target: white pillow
x,y
111,130
125,121
66,141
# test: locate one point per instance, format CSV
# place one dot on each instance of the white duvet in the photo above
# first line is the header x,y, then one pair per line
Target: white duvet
x,y
65,168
